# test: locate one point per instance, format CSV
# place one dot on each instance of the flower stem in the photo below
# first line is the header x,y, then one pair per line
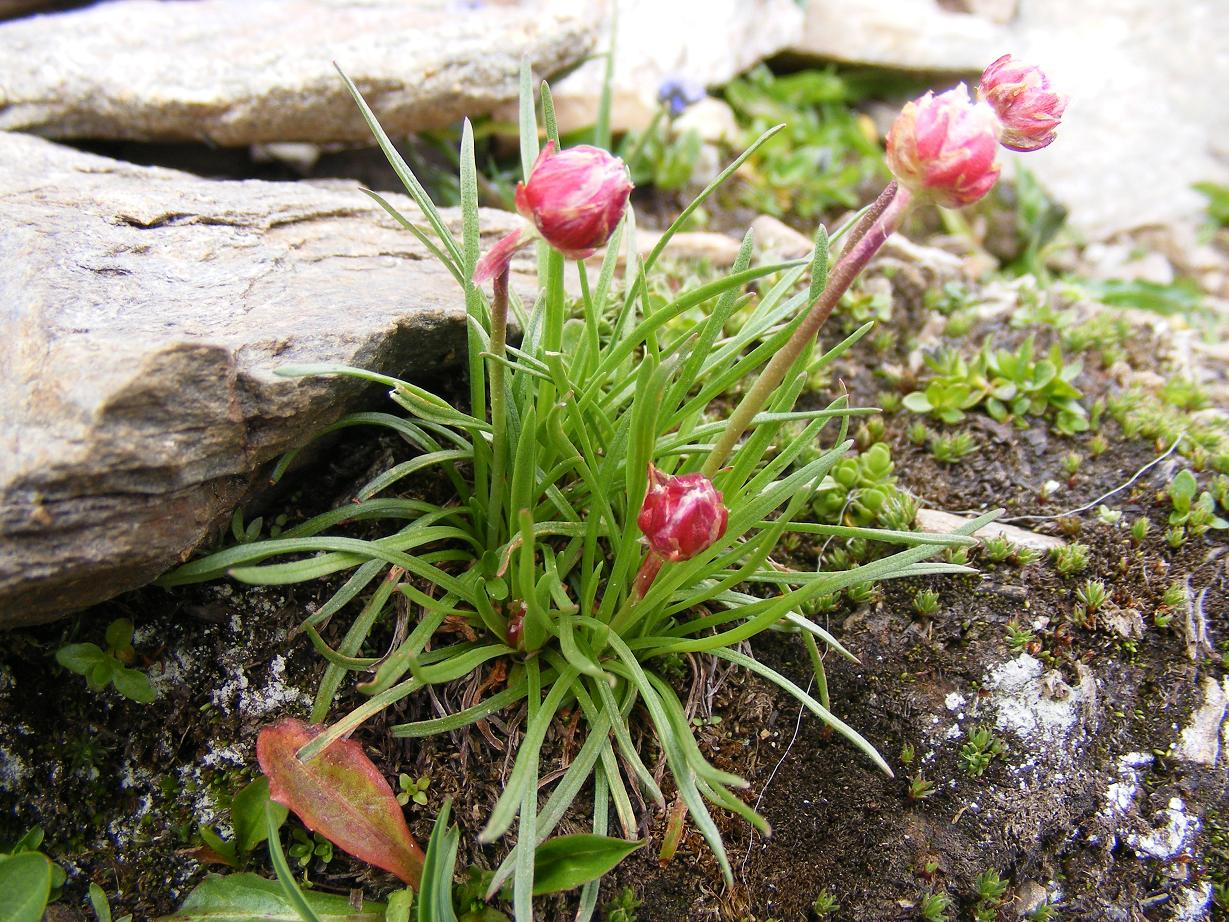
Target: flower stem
x,y
499,410
869,217
864,243
645,576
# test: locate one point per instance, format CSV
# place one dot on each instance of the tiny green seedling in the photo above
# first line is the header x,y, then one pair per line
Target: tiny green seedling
x,y
1026,556
954,448
981,748
996,548
989,889
907,754
412,789
863,593
1139,530
110,666
247,819
1192,510
623,907
920,788
934,906
825,904
1018,638
926,602
956,555
1071,558
1108,516
304,847
1092,595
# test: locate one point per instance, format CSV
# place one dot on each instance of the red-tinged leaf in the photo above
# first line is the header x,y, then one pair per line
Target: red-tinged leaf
x,y
341,795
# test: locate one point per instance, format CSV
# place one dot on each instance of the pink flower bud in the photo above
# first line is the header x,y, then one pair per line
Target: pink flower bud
x,y
575,197
943,148
1029,110
681,516
497,259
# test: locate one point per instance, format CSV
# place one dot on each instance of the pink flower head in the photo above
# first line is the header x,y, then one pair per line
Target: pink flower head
x,y
681,516
1021,96
575,197
943,147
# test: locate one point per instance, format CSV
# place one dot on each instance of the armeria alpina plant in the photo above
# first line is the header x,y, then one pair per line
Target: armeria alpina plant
x,y
604,525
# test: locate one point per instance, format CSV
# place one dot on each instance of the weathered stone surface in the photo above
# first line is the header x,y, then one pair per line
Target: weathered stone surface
x,y
1144,122
704,41
902,34
231,72
1142,125
937,522
144,312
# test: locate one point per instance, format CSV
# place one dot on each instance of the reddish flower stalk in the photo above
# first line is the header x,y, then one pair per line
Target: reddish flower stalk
x,y
853,260
499,412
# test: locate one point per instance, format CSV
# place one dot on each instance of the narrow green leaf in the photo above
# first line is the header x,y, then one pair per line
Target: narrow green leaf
x,y
528,120
404,173
435,898
247,814
285,877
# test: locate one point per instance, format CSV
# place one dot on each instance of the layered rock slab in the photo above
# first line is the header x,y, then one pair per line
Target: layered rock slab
x,y
144,312
232,72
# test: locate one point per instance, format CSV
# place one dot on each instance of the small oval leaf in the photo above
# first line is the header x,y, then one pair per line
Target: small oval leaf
x,y
247,897
25,884
570,861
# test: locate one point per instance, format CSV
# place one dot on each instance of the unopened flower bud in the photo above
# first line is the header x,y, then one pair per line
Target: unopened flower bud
x,y
943,148
1026,105
681,516
575,197
497,259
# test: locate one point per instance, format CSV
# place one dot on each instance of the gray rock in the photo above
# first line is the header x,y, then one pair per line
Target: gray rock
x,y
232,72
1143,124
144,312
705,41
913,35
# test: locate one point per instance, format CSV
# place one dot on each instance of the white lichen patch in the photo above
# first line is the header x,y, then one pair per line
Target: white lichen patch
x,y
1174,832
13,771
1193,903
1120,795
223,757
1023,707
1199,741
954,701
